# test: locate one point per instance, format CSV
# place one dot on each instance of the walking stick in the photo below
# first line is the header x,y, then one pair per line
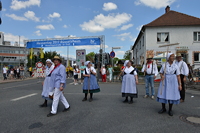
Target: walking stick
x,y
168,45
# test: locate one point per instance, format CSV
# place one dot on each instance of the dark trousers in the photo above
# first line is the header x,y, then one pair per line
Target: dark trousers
x,y
182,92
4,76
30,73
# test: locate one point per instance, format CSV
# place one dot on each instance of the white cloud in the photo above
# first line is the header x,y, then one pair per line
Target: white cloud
x,y
139,27
31,15
45,27
17,5
65,26
38,33
119,53
15,17
14,38
125,27
125,36
109,6
101,22
155,3
54,15
58,36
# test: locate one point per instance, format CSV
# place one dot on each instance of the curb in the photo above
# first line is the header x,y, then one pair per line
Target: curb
x,y
11,81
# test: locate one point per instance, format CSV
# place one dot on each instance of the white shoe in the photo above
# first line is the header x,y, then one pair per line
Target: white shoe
x,y
152,97
146,96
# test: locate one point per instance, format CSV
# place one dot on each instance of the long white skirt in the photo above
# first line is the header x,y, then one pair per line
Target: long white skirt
x,y
47,88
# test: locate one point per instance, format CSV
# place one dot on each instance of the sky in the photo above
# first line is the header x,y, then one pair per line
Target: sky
x,y
118,20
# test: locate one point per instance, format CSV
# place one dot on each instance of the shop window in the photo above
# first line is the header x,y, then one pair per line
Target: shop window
x,y
163,37
196,57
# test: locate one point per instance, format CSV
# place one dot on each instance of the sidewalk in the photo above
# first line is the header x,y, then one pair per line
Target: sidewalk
x,y
13,80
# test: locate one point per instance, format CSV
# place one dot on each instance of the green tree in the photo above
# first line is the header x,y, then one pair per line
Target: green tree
x,y
90,56
115,60
127,55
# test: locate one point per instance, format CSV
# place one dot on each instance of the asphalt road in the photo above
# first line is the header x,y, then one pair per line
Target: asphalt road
x,y
20,113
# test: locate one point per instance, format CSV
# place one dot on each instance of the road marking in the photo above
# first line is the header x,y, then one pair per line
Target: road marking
x,y
19,98
19,86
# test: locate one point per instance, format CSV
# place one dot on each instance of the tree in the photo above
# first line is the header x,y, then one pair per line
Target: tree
x,y
127,55
36,58
90,56
115,60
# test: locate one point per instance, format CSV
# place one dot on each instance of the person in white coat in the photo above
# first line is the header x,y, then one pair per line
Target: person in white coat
x,y
184,71
46,84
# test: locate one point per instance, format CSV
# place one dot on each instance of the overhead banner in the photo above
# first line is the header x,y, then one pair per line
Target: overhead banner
x,y
60,43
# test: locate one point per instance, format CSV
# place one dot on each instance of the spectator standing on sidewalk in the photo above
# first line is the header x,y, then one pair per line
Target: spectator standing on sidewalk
x,y
76,71
110,72
18,72
22,72
4,73
15,72
150,71
82,68
103,73
30,71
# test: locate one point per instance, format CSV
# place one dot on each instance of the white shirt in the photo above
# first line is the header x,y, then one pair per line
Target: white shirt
x,y
88,70
103,71
149,70
129,70
4,70
170,69
76,71
183,67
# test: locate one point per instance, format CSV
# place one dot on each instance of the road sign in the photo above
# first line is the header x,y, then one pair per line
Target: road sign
x,y
112,54
80,56
39,64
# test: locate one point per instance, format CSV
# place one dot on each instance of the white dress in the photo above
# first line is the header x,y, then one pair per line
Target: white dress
x,y
128,83
169,92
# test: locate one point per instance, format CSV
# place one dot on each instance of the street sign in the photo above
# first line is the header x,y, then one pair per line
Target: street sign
x,y
39,64
112,54
80,56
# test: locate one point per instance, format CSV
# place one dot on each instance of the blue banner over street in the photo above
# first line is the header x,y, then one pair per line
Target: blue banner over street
x,y
60,43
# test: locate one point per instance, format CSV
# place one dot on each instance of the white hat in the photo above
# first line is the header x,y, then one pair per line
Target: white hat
x,y
168,55
125,63
49,60
87,62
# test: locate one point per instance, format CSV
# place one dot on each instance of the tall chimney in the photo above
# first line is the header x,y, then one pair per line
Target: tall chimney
x,y
167,9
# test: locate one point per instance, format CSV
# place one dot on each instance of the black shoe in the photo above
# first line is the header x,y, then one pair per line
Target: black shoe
x,y
131,102
84,99
66,109
43,105
125,101
170,113
50,114
162,111
90,100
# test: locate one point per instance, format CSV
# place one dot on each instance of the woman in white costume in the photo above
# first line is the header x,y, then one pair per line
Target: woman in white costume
x,y
46,83
169,91
130,79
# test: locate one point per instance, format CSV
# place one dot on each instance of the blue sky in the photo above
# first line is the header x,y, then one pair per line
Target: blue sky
x,y
119,20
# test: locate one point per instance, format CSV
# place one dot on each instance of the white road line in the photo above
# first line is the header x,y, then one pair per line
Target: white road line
x,y
19,85
16,99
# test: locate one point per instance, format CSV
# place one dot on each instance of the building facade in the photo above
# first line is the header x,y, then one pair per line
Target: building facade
x,y
171,28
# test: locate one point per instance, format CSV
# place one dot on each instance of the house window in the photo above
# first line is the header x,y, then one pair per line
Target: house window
x,y
163,37
196,57
143,41
140,44
196,36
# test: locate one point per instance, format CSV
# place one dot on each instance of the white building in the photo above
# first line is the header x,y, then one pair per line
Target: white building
x,y
170,28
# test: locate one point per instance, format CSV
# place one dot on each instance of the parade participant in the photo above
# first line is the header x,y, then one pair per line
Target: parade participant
x,y
4,73
103,73
76,71
129,82
90,84
184,71
58,82
82,68
151,71
46,84
110,71
168,91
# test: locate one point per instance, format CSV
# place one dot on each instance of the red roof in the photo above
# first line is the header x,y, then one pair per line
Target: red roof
x,y
173,18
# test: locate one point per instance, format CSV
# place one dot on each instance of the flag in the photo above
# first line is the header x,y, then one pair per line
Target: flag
x,y
41,53
31,53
